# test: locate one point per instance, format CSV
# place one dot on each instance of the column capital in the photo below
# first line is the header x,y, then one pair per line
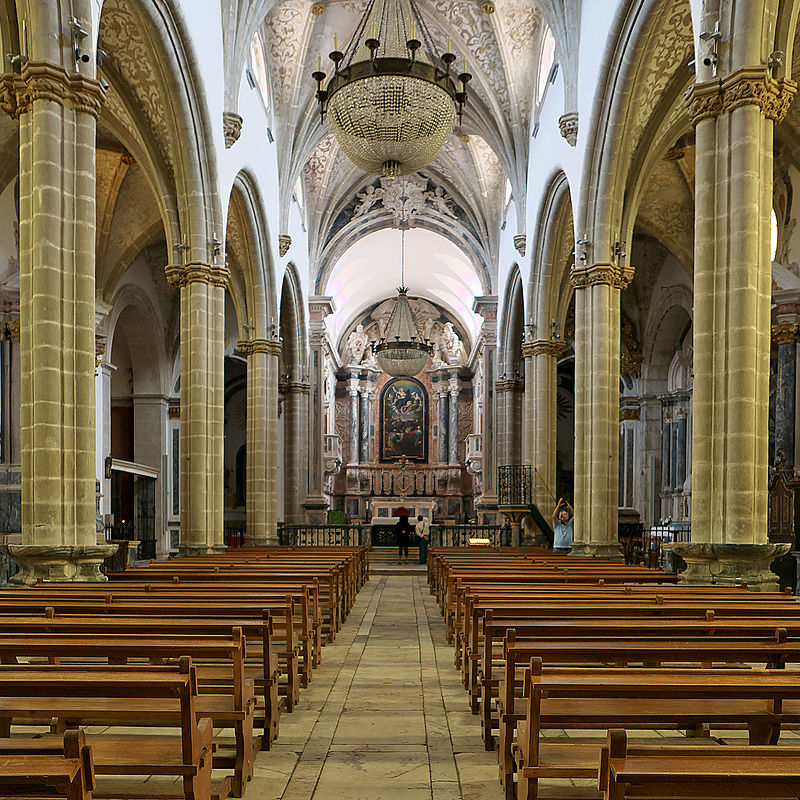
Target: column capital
x,y
41,80
12,329
295,387
180,275
248,347
543,347
785,332
746,86
602,274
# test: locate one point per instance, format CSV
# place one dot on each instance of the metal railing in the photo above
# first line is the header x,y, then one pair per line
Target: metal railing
x,y
514,485
234,534
323,535
460,535
654,555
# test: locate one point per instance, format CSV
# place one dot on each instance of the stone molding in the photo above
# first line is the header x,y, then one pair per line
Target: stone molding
x,y
785,332
295,387
231,127
568,125
248,347
746,86
180,275
509,385
520,241
598,275
58,562
543,347
41,80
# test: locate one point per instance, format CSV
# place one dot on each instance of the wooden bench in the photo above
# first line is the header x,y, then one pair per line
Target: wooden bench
x,y
32,768
148,696
678,772
646,699
226,696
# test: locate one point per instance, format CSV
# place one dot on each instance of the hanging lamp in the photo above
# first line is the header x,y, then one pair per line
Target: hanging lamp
x,y
402,353
391,101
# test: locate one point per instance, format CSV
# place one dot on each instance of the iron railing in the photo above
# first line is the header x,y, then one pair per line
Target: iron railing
x,y
515,485
233,535
460,535
653,553
323,535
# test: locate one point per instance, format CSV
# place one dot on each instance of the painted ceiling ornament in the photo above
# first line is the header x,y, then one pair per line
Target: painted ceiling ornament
x,y
392,100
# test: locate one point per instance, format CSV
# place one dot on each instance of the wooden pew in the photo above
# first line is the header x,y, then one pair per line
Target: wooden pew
x,y
150,696
687,773
226,696
645,699
32,768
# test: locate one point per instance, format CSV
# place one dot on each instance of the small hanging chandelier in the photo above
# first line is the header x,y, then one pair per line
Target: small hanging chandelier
x,y
402,353
391,101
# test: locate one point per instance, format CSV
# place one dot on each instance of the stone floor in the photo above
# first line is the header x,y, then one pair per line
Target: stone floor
x,y
385,716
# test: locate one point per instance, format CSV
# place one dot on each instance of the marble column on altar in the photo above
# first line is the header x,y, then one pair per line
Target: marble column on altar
x,y
784,333
444,451
366,396
452,422
355,428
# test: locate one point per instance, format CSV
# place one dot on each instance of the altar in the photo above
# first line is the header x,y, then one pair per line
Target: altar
x,y
382,533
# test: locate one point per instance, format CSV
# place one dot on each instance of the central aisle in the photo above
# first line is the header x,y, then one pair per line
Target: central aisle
x,y
386,715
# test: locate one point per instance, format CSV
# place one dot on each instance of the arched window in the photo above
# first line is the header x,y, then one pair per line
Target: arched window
x,y
258,65
545,63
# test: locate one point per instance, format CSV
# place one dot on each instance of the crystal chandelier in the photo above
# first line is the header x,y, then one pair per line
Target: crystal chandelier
x,y
391,101
402,353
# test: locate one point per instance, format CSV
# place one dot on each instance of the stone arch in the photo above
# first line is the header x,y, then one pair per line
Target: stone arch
x,y
293,325
513,321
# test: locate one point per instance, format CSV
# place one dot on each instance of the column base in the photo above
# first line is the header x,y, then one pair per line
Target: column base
x,y
610,552
729,564
58,562
188,550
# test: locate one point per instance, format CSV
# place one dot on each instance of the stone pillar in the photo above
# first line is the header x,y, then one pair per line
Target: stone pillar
x,y
504,391
597,343
202,302
541,357
486,306
734,119
315,503
296,444
785,335
262,439
366,396
352,392
57,113
452,427
443,426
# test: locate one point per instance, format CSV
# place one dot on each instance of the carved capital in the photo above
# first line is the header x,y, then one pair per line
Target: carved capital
x,y
231,127
568,125
12,330
599,274
519,243
182,275
747,86
40,80
543,347
317,9
509,385
785,332
284,243
629,414
247,347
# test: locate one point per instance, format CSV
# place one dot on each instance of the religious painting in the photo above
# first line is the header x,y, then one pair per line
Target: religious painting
x,y
404,421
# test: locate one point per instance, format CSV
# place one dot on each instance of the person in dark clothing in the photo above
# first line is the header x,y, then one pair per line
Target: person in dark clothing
x,y
403,531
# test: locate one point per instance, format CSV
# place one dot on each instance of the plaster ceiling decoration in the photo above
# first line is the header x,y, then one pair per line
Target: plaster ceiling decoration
x,y
368,273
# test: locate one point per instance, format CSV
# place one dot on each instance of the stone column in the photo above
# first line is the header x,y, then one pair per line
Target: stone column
x,y
541,358
597,343
366,396
734,119
443,425
352,392
785,335
504,391
486,306
296,444
202,302
57,113
315,503
452,427
262,440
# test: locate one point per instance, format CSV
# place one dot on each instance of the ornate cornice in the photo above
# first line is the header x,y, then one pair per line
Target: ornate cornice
x,y
543,347
598,275
568,125
785,332
231,127
179,275
248,347
40,80
747,86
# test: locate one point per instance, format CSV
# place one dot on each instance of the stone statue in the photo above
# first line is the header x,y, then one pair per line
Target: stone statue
x,y
451,344
367,199
440,201
357,342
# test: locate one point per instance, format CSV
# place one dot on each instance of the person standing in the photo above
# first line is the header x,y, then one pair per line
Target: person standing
x,y
422,529
562,527
403,531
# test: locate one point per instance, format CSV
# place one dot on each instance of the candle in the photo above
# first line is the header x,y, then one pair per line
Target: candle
x,y
319,63
335,42
414,30
449,41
